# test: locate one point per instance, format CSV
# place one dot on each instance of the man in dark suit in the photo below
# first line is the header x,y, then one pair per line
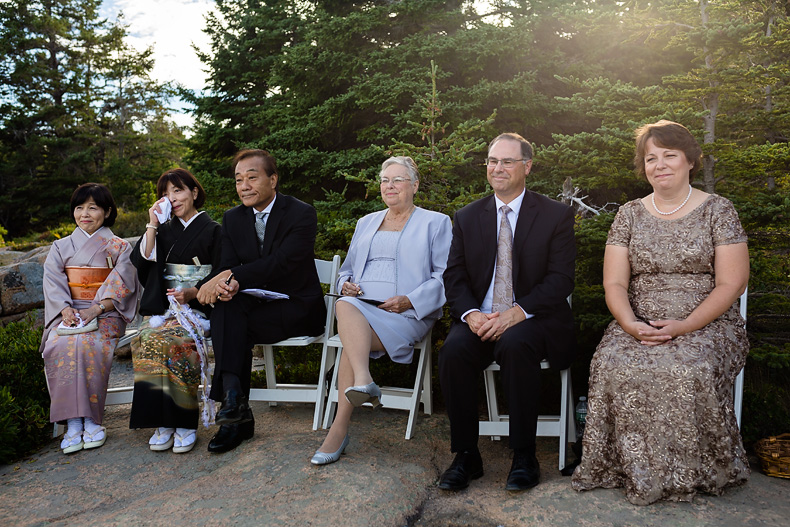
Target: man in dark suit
x,y
508,275
267,243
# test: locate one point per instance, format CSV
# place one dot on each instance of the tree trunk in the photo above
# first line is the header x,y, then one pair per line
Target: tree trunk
x,y
711,104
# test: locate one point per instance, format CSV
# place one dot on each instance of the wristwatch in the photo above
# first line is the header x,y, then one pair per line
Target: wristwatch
x,y
101,306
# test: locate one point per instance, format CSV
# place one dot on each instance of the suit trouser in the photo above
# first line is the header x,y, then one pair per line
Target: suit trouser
x,y
236,326
462,359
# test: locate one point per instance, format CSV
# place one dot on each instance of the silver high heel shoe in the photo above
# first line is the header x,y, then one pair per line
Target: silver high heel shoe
x,y
323,458
359,395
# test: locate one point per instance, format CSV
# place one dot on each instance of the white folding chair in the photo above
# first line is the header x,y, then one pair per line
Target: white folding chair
x,y
303,393
392,397
548,425
738,386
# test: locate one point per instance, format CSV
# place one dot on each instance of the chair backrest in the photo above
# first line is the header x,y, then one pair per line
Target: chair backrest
x,y
328,271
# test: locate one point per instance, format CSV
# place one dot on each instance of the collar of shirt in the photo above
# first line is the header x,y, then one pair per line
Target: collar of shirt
x,y
268,208
515,208
190,220
89,235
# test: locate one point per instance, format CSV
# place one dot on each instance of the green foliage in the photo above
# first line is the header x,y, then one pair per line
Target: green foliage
x,y
327,88
76,105
24,401
129,224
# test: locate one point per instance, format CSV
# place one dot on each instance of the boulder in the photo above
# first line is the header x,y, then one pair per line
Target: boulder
x,y
21,282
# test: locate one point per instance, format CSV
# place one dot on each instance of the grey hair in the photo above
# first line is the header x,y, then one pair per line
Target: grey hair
x,y
404,161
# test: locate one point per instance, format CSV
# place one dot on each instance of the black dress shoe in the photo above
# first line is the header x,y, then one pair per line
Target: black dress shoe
x,y
235,409
230,436
466,466
524,472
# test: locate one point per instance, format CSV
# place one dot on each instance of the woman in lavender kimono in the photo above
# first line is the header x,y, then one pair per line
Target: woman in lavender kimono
x,y
87,276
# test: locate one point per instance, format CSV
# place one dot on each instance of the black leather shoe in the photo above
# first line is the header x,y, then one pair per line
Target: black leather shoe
x,y
230,436
524,472
235,409
466,466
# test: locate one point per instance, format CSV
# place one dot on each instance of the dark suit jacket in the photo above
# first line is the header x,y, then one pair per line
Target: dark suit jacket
x,y
287,263
544,259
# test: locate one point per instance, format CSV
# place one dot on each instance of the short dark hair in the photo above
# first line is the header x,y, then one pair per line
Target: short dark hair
x,y
101,195
269,165
526,147
181,178
667,134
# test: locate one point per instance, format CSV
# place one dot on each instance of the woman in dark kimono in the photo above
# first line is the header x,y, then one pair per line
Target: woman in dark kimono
x,y
87,280
173,258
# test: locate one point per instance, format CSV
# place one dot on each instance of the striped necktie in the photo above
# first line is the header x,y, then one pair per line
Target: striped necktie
x,y
260,228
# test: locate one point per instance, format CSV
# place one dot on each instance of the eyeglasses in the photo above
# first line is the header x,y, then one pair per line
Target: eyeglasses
x,y
394,181
492,162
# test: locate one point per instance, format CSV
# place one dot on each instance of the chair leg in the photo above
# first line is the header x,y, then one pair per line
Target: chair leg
x,y
327,357
416,393
268,363
738,394
566,413
331,400
493,407
427,391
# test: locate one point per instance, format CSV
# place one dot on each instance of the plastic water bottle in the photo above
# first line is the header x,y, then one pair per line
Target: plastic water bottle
x,y
581,418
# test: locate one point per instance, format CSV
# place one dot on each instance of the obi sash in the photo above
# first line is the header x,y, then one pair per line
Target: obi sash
x,y
84,282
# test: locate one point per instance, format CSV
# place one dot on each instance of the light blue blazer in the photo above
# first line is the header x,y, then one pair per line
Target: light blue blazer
x,y
420,258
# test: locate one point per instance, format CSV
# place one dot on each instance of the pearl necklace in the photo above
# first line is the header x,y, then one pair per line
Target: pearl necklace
x,y
653,200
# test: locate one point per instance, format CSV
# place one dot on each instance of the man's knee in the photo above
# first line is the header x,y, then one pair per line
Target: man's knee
x,y
515,349
462,349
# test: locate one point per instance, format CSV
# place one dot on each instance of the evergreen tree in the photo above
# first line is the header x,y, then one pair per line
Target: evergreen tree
x,y
70,90
326,86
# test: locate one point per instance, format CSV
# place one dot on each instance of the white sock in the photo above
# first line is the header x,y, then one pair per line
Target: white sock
x,y
75,426
185,436
74,433
161,436
90,426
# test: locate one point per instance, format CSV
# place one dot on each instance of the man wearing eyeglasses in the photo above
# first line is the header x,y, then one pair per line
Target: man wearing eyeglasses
x,y
510,269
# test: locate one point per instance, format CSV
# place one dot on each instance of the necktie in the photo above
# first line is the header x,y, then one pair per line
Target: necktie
x,y
503,277
260,228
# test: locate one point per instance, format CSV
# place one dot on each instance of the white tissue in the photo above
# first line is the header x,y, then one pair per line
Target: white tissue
x,y
162,212
80,322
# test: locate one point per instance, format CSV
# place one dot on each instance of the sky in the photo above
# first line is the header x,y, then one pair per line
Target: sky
x,y
171,27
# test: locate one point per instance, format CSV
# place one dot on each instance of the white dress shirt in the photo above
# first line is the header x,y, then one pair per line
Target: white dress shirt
x,y
512,218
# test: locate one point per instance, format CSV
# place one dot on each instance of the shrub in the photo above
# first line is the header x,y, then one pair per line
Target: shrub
x,y
24,400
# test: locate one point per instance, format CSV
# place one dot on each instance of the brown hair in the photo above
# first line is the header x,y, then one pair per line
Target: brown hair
x,y
182,179
667,134
269,165
526,147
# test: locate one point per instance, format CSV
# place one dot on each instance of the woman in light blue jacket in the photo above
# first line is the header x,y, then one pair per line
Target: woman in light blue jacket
x,y
396,259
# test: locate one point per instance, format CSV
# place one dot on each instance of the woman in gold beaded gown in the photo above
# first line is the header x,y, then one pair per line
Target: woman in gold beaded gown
x,y
660,416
